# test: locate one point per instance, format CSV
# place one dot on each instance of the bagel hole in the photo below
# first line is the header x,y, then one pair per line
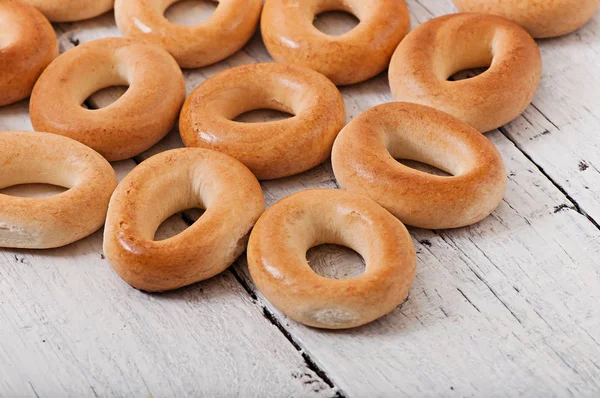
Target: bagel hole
x,y
335,261
190,12
177,223
262,115
467,74
104,97
33,190
424,167
335,23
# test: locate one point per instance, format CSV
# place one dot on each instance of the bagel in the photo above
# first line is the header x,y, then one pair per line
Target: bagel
x,y
224,33
419,73
284,233
541,18
271,149
71,10
163,185
127,127
364,162
290,36
27,45
41,223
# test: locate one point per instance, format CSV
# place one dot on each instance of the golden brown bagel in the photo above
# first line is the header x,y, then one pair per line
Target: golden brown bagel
x,y
419,73
228,29
40,223
541,18
129,126
290,36
284,233
71,10
271,149
364,162
163,185
27,45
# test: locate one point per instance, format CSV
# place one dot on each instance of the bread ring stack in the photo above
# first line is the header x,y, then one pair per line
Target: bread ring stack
x,y
364,161
541,18
289,35
226,31
435,121
173,181
41,223
71,10
27,45
272,149
136,121
282,236
457,42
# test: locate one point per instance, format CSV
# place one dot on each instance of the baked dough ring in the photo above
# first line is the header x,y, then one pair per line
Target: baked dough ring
x,y
419,73
364,162
130,125
541,18
41,223
272,149
163,185
278,266
290,36
224,33
27,45
71,10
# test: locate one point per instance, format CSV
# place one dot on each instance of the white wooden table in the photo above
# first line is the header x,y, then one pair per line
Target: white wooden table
x,y
507,307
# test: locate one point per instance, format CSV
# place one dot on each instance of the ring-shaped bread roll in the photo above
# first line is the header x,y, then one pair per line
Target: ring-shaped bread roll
x,y
27,45
272,149
136,121
290,36
419,73
541,18
41,223
279,269
71,10
169,182
226,31
364,162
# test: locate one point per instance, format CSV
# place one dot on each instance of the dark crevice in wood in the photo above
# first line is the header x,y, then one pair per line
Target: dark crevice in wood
x,y
75,42
574,203
310,363
468,300
545,117
245,285
479,276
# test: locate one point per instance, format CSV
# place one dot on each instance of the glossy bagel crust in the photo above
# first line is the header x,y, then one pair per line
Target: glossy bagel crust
x,y
40,223
290,36
71,10
541,18
167,183
130,125
27,45
287,230
364,161
226,31
271,149
419,73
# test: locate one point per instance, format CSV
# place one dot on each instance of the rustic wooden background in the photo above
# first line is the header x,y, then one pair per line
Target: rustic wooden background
x,y
507,307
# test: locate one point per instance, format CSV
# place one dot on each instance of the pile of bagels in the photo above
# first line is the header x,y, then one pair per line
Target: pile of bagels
x,y
436,120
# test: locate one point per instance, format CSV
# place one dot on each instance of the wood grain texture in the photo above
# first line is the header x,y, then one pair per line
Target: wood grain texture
x,y
507,307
